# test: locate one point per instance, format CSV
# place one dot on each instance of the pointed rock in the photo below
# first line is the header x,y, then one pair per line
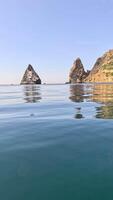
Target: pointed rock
x,y
77,73
30,77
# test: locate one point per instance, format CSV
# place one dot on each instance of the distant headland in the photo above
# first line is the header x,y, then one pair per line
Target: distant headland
x,y
101,72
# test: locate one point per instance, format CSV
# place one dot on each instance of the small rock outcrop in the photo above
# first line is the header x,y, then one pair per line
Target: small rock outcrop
x,y
77,73
30,77
103,69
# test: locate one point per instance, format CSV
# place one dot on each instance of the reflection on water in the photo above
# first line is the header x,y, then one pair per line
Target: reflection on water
x,y
91,100
95,100
105,112
32,93
78,114
102,94
77,93
80,92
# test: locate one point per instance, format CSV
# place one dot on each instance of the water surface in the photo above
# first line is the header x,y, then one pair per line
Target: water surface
x,y
56,142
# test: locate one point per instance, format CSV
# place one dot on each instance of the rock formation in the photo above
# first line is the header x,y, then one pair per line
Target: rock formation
x,y
103,69
30,77
77,73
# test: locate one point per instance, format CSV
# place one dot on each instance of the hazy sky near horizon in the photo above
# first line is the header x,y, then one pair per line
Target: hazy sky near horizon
x,y
51,34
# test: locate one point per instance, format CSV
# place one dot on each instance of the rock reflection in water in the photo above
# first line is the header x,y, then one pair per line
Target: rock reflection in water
x,y
105,112
102,94
77,93
32,93
78,114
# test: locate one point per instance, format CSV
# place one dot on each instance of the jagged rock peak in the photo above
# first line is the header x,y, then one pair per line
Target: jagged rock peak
x,y
30,76
30,68
77,72
78,63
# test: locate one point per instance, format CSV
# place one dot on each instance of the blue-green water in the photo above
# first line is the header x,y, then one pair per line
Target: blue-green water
x,y
56,142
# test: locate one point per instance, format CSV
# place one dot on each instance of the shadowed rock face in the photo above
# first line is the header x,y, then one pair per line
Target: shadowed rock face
x,y
77,73
30,77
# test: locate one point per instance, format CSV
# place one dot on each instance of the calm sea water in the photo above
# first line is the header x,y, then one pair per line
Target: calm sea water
x,y
56,142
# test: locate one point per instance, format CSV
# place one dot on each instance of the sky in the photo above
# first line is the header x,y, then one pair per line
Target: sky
x,y
50,35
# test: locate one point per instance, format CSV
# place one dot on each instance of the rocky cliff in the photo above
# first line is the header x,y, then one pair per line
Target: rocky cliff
x,y
103,69
30,76
77,73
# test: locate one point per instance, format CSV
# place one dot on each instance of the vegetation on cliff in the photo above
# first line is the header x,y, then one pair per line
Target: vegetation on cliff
x,y
101,72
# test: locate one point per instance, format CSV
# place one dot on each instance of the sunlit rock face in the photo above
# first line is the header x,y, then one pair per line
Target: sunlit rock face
x,y
103,69
30,77
77,72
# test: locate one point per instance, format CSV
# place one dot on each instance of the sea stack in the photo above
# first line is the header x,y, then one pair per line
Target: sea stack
x,y
77,73
30,77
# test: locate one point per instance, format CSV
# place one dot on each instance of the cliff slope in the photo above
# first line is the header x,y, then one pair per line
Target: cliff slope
x,y
103,69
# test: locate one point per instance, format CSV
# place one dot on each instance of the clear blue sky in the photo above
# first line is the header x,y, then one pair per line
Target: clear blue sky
x,y
50,34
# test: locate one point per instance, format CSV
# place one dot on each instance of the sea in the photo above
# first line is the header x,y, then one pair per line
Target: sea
x,y
56,142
